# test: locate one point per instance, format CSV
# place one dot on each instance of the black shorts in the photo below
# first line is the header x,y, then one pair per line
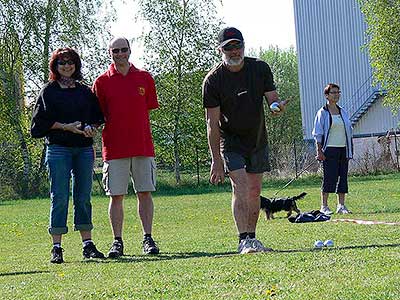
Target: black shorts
x,y
255,162
335,169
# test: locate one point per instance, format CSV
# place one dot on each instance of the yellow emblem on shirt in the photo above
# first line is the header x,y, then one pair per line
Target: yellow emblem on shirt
x,y
142,91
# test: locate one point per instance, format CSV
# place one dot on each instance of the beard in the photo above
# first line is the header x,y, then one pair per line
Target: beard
x,y
232,61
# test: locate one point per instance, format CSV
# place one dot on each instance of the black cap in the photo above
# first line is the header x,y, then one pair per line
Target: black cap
x,y
229,34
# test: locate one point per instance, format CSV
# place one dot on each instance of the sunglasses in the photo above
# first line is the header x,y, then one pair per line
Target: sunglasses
x,y
233,46
117,50
65,62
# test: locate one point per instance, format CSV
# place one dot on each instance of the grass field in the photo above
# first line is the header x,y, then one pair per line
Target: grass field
x,y
197,239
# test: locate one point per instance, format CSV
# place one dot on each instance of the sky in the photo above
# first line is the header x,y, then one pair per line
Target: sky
x,y
263,23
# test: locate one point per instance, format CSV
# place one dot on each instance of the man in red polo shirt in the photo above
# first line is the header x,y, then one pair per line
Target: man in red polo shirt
x,y
126,94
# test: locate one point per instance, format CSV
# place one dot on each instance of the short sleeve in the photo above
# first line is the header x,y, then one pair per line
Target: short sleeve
x,y
269,84
210,93
152,102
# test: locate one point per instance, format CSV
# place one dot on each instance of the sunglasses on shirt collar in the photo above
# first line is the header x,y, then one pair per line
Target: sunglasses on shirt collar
x,y
117,50
233,46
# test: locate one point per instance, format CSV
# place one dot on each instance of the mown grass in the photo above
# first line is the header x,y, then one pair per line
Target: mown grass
x,y
196,235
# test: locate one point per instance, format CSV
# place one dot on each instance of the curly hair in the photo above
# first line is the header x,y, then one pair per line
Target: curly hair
x,y
64,54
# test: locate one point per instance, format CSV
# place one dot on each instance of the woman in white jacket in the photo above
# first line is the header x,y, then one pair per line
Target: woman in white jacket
x,y
333,139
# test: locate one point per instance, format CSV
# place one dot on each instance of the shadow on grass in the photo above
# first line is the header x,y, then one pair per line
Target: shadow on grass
x,y
338,248
161,257
22,273
188,255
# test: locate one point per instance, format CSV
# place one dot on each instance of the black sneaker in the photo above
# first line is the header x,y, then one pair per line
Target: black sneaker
x,y
56,255
117,249
90,251
149,246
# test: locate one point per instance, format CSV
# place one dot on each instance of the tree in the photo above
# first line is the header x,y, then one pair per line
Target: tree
x,y
179,50
285,130
31,30
382,17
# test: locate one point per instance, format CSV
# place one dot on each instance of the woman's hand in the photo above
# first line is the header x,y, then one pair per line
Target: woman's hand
x,y
89,131
73,127
320,156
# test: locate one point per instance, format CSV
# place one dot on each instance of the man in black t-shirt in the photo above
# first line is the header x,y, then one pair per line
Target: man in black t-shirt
x,y
233,93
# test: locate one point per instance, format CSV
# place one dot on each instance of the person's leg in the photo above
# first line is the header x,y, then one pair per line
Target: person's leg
x,y
143,174
340,197
145,211
342,187
116,214
254,182
240,204
115,181
82,177
330,177
58,161
324,199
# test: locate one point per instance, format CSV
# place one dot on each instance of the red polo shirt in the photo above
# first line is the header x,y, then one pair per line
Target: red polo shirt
x,y
125,102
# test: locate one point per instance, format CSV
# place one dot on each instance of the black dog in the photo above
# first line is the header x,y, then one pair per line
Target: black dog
x,y
271,206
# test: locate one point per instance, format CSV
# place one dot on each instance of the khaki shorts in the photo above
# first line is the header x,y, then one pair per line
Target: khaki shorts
x,y
116,174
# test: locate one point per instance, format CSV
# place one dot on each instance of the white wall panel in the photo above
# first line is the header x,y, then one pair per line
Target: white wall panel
x,y
329,39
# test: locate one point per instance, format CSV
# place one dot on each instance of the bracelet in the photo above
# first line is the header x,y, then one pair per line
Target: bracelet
x,y
63,126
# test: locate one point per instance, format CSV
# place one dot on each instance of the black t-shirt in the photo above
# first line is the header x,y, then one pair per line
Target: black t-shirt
x,y
68,105
240,98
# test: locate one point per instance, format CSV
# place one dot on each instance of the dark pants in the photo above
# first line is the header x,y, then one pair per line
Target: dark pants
x,y
335,168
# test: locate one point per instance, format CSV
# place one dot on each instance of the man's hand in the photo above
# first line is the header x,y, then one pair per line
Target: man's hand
x,y
217,173
282,107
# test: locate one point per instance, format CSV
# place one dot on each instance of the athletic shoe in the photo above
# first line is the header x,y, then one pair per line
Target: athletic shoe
x,y
149,246
326,210
116,250
57,255
341,209
246,246
90,251
258,246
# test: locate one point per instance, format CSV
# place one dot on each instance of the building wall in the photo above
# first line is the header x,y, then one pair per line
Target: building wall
x,y
378,120
330,38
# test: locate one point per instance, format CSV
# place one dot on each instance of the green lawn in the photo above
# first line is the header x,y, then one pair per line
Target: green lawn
x,y
197,239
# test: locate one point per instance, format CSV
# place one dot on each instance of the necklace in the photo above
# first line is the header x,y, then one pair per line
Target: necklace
x,y
67,81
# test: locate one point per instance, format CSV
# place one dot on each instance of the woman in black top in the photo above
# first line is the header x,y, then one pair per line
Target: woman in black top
x,y
67,114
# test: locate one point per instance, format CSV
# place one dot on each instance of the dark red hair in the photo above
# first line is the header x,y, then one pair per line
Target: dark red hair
x,y
330,86
64,54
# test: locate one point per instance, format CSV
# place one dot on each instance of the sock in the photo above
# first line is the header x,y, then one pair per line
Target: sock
x,y
252,235
57,245
118,238
146,235
86,242
242,236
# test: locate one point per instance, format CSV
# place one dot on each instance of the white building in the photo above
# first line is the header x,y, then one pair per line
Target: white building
x,y
330,37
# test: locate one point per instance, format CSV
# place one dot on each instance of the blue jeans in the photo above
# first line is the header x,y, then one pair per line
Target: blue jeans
x,y
64,163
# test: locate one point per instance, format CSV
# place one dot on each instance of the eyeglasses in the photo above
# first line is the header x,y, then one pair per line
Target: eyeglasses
x,y
335,93
233,46
117,50
65,62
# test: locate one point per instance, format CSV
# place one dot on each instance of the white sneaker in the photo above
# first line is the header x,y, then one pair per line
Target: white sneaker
x,y
326,210
259,247
341,209
245,246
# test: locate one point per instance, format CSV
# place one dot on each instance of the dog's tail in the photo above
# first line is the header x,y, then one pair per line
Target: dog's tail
x,y
302,195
